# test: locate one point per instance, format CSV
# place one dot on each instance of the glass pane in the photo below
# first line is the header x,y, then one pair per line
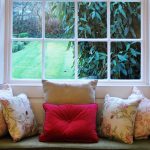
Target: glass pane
x,y
26,60
59,20
59,60
92,21
92,60
125,20
125,60
27,19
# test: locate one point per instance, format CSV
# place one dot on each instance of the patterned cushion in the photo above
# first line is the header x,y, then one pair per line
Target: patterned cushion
x,y
118,118
19,117
142,120
70,123
5,92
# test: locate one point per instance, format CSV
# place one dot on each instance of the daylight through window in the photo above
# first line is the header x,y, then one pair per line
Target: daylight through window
x,y
77,39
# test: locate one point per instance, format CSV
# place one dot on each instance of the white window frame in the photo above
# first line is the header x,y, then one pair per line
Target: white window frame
x,y
2,29
144,46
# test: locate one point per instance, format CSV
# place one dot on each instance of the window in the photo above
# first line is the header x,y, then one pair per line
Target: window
x,y
100,39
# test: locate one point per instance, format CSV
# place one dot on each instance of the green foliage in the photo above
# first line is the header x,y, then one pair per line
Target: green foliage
x,y
59,20
125,60
92,20
125,20
20,45
125,56
92,57
17,46
23,35
27,20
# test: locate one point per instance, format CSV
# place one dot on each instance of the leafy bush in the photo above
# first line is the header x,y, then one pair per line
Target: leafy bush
x,y
23,35
125,20
27,20
59,20
92,20
17,46
92,57
125,60
20,45
125,56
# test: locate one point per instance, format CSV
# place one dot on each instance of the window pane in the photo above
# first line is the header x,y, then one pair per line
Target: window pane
x,y
26,60
27,19
92,20
59,60
126,60
92,60
59,20
125,19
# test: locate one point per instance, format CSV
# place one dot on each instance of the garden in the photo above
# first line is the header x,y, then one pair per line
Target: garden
x,y
58,62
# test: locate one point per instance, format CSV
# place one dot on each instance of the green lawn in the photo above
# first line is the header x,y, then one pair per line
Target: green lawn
x,y
58,63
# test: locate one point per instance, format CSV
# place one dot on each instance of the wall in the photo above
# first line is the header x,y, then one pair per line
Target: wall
x,y
36,96
2,16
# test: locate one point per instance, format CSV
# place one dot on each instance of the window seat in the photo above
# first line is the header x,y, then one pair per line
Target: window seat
x,y
33,143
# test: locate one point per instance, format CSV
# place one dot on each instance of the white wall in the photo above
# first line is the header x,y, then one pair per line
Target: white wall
x,y
2,14
120,91
37,100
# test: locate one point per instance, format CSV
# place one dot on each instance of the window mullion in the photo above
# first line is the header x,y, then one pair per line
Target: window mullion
x,y
43,39
27,39
125,40
144,46
142,67
2,23
9,48
109,41
76,40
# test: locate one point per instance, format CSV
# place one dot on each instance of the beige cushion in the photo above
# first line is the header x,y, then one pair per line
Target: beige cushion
x,y
69,93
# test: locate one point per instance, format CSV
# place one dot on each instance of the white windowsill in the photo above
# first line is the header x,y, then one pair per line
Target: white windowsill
x,y
35,90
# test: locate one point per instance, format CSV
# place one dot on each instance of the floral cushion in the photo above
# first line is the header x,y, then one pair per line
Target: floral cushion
x,y
19,117
142,120
5,92
118,118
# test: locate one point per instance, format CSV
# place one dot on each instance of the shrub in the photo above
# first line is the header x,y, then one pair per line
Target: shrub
x,y
17,46
125,56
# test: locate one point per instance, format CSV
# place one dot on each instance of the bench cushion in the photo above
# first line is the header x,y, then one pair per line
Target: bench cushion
x,y
33,143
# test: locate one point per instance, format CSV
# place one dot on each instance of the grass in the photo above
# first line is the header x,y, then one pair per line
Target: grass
x,y
27,63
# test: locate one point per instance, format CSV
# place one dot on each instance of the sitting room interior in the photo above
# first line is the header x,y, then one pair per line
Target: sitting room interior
x,y
74,74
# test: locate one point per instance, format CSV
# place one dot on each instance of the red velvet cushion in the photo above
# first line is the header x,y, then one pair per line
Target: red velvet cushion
x,y
70,123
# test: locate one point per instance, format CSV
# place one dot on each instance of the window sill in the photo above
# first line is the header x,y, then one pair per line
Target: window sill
x,y
35,90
